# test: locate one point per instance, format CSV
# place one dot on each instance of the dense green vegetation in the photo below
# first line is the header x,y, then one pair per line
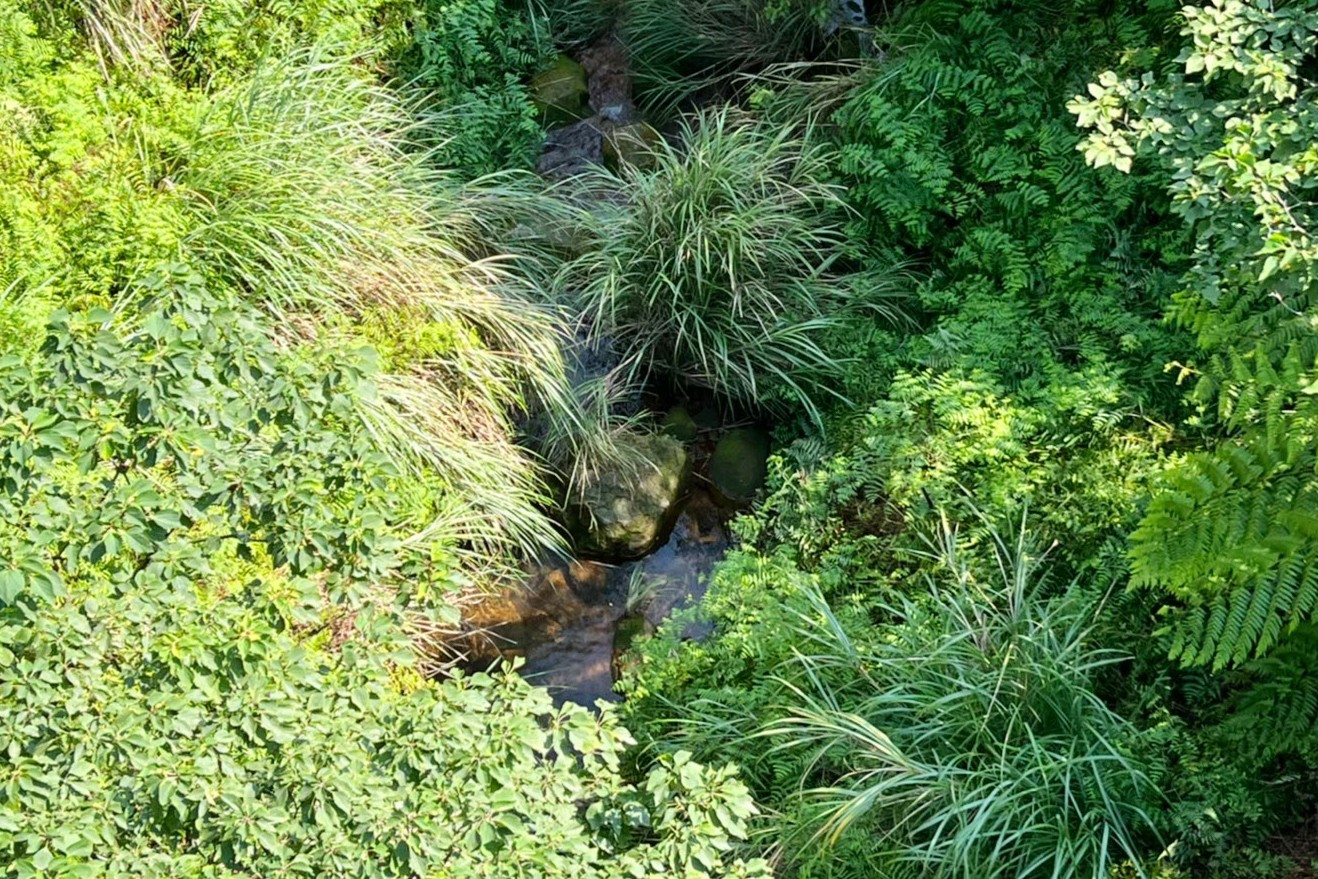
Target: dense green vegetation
x,y
289,378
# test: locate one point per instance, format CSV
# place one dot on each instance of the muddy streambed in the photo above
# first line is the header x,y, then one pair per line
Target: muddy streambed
x,y
575,619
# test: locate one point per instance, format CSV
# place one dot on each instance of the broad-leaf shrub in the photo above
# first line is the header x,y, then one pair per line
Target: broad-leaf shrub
x,y
202,669
1230,534
960,443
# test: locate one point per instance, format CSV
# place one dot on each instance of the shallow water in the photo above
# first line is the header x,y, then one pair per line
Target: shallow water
x,y
570,648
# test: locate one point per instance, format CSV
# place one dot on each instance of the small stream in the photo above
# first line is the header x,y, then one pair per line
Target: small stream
x,y
572,621
582,620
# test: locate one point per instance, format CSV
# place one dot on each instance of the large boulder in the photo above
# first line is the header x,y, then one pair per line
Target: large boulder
x,y
626,513
630,144
559,91
739,464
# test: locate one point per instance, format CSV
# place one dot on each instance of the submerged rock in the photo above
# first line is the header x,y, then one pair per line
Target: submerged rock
x,y
626,513
571,150
739,464
532,611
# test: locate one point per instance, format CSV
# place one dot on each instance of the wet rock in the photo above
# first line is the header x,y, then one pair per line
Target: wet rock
x,y
679,424
739,464
708,417
631,144
587,580
571,150
626,513
609,80
513,614
559,91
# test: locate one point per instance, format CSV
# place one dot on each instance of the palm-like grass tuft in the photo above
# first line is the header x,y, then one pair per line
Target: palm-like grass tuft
x,y
719,267
971,742
679,47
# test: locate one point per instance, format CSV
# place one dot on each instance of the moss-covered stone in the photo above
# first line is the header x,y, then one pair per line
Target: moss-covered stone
x,y
559,91
630,144
679,424
739,464
624,514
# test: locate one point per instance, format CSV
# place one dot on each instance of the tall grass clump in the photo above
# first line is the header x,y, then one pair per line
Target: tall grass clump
x,y
578,22
678,47
302,192
119,32
720,267
969,741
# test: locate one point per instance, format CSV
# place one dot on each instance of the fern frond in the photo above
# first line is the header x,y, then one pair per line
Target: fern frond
x,y
1278,713
1235,537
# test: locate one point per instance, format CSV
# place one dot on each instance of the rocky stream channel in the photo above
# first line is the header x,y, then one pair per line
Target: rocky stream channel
x,y
647,541
647,536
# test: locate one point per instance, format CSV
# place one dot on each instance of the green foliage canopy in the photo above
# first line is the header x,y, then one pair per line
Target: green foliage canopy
x,y
203,666
958,156
1232,532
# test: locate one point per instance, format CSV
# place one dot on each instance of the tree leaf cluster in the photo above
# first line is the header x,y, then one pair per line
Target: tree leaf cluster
x,y
205,667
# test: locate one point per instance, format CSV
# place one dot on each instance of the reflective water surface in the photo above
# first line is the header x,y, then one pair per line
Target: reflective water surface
x,y
583,610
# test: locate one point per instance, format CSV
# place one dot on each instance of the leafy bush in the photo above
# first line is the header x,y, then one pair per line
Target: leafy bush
x,y
203,670
952,732
467,67
957,154
1230,534
80,210
960,444
294,184
719,270
220,42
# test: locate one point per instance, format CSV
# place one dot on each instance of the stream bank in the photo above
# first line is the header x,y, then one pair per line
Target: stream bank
x,y
576,619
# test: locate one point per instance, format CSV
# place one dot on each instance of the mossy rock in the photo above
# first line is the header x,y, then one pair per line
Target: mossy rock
x,y
627,513
679,424
630,144
559,91
739,464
